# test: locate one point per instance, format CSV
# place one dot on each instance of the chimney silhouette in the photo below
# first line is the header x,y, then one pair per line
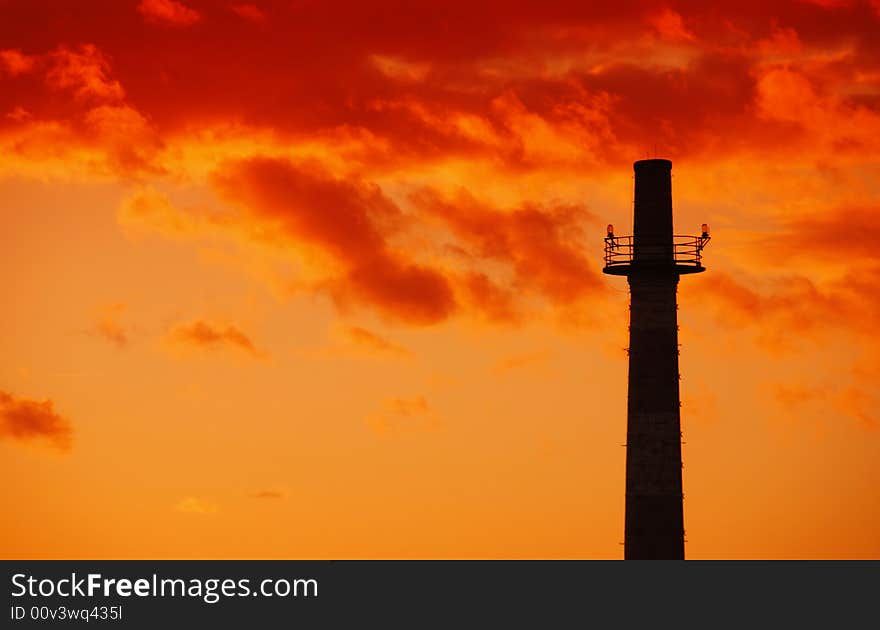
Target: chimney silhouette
x,y
653,259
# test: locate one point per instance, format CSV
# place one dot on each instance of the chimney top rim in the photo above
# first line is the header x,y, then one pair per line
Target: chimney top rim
x,y
652,164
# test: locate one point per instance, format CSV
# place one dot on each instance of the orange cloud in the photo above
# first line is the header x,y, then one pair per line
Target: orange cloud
x,y
801,304
353,243
840,235
497,303
168,12
149,211
520,360
786,310
403,415
861,404
347,222
203,334
794,395
269,494
111,328
850,400
26,420
371,342
542,244
196,505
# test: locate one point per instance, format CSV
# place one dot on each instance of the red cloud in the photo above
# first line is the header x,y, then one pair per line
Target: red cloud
x,y
573,85
670,24
14,62
25,420
564,89
68,112
249,12
85,71
169,12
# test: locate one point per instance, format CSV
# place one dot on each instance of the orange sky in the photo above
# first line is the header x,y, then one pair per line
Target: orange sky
x,y
311,279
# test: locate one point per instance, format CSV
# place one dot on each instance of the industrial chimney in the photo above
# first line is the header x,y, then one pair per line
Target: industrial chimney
x,y
652,259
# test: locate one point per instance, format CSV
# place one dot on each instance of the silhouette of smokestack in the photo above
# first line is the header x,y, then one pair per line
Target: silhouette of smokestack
x,y
653,259
652,215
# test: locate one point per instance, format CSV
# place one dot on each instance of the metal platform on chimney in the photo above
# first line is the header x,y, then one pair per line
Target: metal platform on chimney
x,y
623,257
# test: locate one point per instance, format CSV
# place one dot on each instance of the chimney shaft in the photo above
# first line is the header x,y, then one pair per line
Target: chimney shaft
x,y
654,527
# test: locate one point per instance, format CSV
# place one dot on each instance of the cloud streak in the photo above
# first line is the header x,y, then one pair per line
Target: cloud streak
x,y
374,343
211,335
110,326
196,505
401,415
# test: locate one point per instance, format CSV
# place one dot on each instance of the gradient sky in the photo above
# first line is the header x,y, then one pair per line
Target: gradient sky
x,y
311,279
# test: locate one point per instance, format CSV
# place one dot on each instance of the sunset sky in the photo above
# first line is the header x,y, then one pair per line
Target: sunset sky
x,y
314,279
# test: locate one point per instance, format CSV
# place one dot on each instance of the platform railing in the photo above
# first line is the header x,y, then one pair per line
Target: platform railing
x,y
686,251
